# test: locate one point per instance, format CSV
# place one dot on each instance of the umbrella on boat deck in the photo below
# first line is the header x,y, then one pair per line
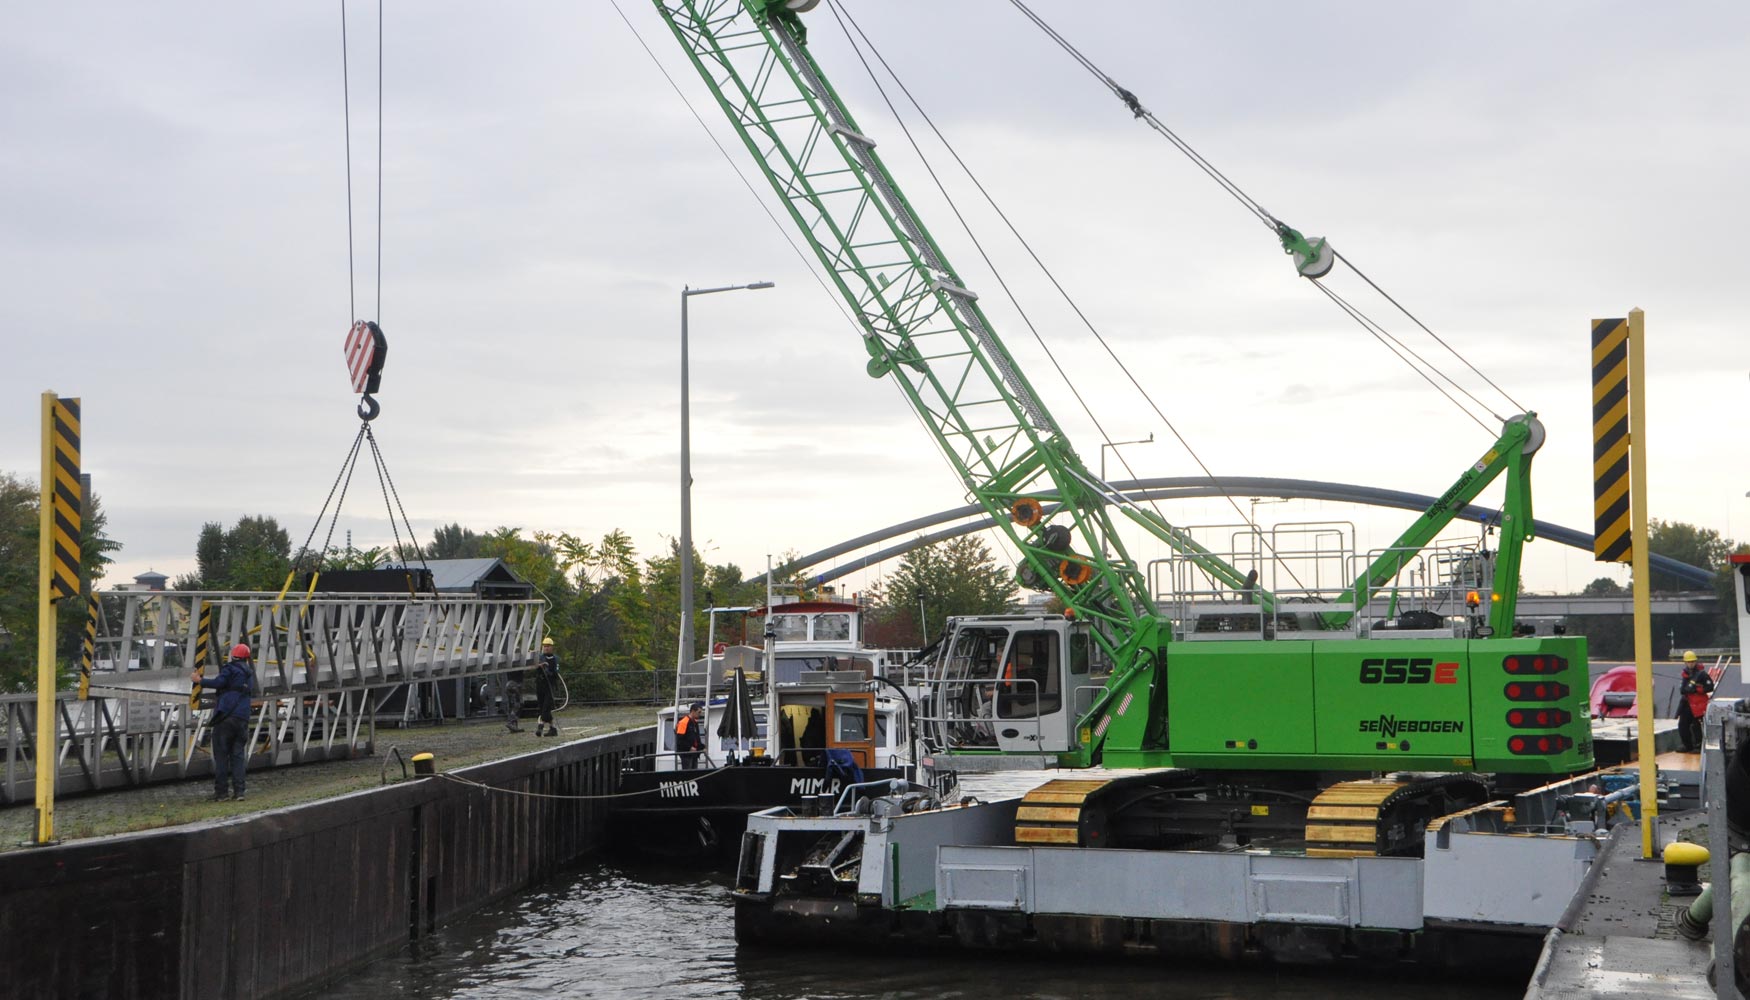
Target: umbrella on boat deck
x,y
738,722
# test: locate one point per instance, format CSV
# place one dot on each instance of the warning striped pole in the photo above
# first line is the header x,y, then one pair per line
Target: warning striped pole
x,y
203,647
57,577
1611,538
88,649
1619,498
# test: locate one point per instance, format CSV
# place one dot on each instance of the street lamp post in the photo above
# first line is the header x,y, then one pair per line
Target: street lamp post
x,y
686,637
1115,445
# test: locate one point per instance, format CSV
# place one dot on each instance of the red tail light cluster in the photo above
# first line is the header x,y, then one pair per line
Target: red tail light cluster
x,y
1536,691
1535,745
1538,718
1538,663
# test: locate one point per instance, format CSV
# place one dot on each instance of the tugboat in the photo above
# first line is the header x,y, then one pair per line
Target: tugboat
x,y
807,714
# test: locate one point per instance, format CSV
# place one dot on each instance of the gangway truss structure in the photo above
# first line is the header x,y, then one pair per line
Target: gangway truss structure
x,y
327,667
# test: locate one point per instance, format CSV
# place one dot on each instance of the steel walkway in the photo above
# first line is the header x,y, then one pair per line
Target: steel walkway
x,y
327,667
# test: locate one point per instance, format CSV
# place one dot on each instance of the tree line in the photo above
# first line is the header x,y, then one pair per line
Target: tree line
x,y
615,614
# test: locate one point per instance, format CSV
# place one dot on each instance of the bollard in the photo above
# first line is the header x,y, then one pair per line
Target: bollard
x,y
1681,863
424,765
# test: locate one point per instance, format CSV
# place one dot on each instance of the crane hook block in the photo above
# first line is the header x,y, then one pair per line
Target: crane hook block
x,y
366,350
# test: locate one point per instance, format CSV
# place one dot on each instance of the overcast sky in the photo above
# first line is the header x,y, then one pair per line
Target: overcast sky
x,y
174,250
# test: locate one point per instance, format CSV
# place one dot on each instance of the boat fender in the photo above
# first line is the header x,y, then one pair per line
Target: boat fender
x,y
707,834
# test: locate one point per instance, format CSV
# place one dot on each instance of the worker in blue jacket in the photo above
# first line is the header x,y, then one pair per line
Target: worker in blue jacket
x,y
234,686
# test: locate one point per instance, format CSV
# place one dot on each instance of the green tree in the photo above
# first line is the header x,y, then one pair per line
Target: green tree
x,y
1611,637
957,576
1688,543
254,554
452,541
18,583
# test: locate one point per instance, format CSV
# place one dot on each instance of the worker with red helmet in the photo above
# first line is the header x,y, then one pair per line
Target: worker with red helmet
x,y
234,686
1695,687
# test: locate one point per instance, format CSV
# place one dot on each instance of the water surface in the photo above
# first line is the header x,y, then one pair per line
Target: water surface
x,y
636,931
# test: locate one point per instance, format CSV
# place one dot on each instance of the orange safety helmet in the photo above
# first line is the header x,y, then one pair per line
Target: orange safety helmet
x,y
240,651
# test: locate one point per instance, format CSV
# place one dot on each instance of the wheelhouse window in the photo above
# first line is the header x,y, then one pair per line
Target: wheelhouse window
x,y
790,628
832,628
1030,686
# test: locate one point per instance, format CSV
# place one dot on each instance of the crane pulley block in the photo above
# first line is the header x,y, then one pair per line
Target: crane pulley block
x,y
366,350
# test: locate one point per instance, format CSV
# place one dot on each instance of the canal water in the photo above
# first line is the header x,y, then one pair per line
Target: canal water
x,y
637,931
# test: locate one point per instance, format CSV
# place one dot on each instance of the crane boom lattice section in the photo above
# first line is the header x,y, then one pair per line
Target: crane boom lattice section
x,y
920,322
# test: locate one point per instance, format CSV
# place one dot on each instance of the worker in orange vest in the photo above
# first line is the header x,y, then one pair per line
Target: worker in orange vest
x,y
689,735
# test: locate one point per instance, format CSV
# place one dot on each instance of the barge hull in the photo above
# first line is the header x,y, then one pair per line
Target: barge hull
x,y
1438,948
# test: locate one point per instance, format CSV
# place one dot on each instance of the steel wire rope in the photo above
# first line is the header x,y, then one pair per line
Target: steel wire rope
x,y
346,117
1050,276
389,490
1450,349
394,528
352,455
1276,225
809,263
379,163
328,539
1386,339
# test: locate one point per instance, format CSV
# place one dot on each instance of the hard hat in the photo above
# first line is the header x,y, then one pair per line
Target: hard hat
x,y
1689,657
547,641
240,652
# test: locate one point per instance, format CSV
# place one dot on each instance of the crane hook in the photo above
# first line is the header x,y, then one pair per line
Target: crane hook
x,y
368,408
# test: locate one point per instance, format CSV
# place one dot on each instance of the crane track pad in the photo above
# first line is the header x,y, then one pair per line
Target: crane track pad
x,y
1384,816
1072,812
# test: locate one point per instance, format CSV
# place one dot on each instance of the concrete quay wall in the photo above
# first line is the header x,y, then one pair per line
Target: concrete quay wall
x,y
269,903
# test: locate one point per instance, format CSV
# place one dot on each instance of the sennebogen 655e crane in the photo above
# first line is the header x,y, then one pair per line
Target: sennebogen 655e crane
x,y
1332,718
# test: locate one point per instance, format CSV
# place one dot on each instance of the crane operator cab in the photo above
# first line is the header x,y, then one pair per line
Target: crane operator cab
x,y
1011,683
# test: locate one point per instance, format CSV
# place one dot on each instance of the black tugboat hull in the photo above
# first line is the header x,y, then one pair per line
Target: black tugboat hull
x,y
700,815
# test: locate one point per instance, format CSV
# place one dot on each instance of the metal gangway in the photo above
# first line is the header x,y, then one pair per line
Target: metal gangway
x,y
327,666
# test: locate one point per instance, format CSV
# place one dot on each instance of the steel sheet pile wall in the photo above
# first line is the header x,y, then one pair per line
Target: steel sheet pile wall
x,y
269,903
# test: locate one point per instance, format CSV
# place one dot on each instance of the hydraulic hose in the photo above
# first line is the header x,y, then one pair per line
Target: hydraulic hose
x,y
1693,923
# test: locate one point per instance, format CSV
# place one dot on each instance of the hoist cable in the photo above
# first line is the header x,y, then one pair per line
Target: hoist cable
x,y
346,100
811,264
379,162
1050,276
1136,107
807,262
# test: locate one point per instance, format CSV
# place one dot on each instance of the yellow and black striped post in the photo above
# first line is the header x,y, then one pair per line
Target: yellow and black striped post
x,y
1611,538
203,648
1619,484
57,577
88,648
